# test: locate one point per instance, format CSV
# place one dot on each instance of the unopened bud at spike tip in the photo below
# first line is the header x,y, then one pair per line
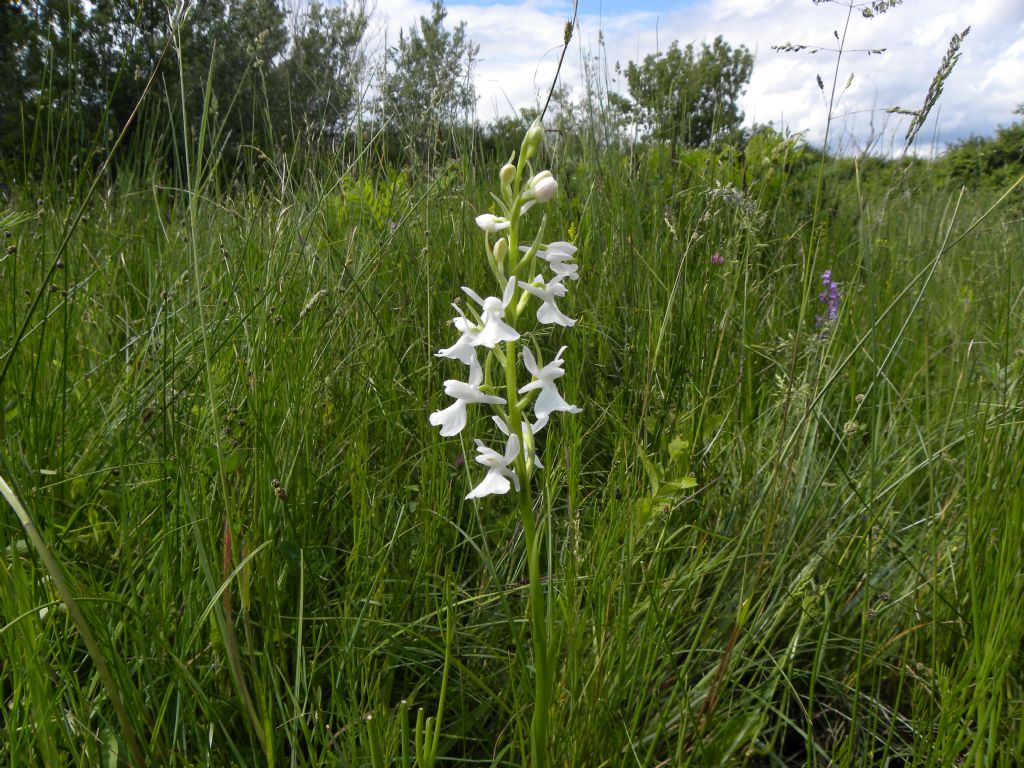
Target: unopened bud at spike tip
x,y
534,138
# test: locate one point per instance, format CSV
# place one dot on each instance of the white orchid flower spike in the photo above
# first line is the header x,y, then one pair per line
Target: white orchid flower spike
x,y
500,476
452,420
548,401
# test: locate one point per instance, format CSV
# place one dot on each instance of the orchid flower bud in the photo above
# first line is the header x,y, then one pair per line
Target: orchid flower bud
x,y
533,140
543,186
501,249
507,174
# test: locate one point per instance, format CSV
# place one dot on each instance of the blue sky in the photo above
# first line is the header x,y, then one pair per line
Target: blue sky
x,y
519,44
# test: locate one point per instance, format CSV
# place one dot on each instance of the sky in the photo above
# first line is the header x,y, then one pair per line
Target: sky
x,y
520,43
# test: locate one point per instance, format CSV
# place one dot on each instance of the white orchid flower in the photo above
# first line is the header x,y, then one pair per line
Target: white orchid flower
x,y
548,312
561,248
464,349
499,473
548,401
488,222
558,255
495,329
529,431
452,419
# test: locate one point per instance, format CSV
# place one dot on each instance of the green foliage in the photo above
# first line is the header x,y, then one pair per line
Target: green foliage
x,y
245,71
39,59
324,66
775,544
989,162
427,88
504,135
362,201
688,97
121,46
667,481
81,71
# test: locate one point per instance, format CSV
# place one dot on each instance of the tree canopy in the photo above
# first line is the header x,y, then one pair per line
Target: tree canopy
x,y
686,96
427,86
271,74
274,76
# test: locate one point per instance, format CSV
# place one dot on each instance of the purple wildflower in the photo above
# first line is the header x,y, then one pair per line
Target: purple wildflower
x,y
830,297
717,258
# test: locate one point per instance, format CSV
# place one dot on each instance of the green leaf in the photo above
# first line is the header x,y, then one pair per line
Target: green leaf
x,y
676,486
643,508
233,460
10,219
110,499
111,749
678,447
655,473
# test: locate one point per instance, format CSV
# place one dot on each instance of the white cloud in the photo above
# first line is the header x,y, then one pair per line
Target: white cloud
x,y
519,45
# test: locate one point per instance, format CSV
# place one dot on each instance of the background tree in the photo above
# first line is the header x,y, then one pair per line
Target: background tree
x,y
80,69
39,60
14,85
120,46
688,97
324,68
246,79
993,161
427,85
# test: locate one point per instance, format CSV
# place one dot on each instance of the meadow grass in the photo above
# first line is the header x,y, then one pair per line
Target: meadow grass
x,y
772,541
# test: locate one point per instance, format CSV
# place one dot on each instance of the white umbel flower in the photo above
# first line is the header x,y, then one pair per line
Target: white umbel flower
x,y
500,476
548,401
452,420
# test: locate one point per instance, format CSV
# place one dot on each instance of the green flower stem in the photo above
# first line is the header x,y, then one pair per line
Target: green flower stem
x,y
538,628
537,600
